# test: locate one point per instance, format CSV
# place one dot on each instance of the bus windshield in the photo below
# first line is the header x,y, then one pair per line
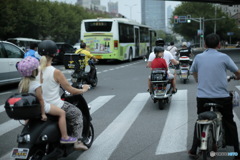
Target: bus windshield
x,y
98,26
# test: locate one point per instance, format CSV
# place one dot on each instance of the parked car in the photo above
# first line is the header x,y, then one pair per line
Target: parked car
x,y
10,54
77,46
62,49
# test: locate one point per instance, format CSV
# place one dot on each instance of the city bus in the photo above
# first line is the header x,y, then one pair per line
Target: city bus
x,y
23,43
117,38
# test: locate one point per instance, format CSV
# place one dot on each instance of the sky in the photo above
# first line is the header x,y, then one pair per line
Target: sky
x,y
124,7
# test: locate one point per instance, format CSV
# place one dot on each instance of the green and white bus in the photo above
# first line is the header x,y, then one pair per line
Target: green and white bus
x,y
117,38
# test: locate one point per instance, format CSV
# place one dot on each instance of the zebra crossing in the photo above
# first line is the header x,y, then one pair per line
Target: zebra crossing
x,y
172,139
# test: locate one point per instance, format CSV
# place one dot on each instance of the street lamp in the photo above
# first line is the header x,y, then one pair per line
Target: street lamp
x,y
130,7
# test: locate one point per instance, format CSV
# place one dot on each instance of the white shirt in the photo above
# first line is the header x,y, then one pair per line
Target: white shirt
x,y
51,88
172,49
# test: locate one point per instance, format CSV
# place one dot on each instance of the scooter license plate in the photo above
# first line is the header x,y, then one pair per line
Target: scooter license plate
x,y
20,153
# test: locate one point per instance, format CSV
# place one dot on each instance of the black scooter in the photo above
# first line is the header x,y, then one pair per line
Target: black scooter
x,y
40,140
82,74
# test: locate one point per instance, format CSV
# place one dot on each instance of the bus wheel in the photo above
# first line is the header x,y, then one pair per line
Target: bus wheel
x,y
130,58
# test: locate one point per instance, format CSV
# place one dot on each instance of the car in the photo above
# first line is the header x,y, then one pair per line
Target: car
x,y
77,46
62,49
10,54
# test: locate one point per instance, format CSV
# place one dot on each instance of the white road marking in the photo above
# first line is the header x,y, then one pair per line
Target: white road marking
x,y
4,93
108,140
99,102
2,109
8,126
174,135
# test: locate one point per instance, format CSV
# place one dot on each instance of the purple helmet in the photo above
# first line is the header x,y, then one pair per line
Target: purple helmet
x,y
27,66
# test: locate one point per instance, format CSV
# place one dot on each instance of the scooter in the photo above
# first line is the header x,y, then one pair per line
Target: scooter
x,y
40,140
161,87
184,68
82,74
210,129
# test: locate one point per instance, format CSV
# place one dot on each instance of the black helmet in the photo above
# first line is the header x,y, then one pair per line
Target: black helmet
x,y
160,42
83,45
158,49
47,47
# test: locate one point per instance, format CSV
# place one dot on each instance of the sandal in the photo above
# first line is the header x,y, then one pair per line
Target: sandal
x,y
68,141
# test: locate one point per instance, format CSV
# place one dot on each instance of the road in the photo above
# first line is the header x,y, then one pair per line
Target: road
x,y
128,125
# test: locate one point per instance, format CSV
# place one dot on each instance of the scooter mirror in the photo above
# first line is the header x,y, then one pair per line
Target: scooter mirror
x,y
87,68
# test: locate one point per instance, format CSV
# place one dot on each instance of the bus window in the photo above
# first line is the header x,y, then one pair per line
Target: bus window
x,y
126,33
98,26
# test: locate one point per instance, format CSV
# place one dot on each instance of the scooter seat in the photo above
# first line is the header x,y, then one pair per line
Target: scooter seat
x,y
209,115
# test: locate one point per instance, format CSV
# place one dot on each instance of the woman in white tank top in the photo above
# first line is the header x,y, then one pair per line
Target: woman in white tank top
x,y
52,78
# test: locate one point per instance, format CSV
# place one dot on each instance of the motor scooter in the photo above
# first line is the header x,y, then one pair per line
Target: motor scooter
x,y
161,87
184,68
40,140
82,74
210,128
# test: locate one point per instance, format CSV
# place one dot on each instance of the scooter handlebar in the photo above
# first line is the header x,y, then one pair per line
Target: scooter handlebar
x,y
232,77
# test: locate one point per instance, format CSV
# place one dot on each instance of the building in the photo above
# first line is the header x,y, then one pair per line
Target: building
x,y
91,4
113,7
232,11
169,17
153,14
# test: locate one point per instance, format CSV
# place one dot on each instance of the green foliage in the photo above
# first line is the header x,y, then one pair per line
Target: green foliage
x,y
42,19
206,11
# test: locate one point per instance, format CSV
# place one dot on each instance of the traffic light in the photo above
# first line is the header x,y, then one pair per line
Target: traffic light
x,y
188,18
175,19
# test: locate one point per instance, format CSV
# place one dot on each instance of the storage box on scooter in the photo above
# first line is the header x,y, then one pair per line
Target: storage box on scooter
x,y
71,60
158,75
23,106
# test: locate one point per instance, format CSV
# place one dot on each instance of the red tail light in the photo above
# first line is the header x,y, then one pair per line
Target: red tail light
x,y
12,101
58,51
203,134
63,99
115,44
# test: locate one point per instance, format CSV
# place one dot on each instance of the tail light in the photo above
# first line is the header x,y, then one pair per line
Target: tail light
x,y
58,51
115,44
203,134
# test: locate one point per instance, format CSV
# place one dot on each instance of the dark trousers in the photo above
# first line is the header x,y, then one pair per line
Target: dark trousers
x,y
231,135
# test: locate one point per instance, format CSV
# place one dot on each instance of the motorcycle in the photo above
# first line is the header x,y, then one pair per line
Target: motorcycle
x,y
40,140
184,68
82,74
161,86
210,129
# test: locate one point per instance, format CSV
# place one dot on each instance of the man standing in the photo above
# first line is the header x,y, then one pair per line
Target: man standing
x,y
210,72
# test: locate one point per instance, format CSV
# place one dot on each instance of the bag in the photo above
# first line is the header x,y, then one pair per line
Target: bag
x,y
235,98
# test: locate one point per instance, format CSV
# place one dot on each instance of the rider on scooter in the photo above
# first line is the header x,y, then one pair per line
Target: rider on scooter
x,y
158,62
88,56
210,71
169,59
51,79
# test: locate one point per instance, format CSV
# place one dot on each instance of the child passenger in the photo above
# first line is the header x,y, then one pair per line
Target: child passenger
x,y
28,68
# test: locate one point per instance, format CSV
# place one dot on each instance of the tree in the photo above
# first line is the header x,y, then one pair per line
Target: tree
x,y
43,19
206,11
